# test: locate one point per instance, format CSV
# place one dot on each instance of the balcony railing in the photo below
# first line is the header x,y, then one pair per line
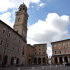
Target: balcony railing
x,y
31,55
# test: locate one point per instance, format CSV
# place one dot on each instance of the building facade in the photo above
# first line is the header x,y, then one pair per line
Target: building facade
x,y
29,54
13,41
37,54
61,51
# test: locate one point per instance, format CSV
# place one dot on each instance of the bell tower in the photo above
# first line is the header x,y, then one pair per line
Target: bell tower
x,y
21,18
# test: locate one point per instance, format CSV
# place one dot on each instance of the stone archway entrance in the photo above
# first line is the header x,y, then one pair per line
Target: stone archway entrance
x,y
44,60
17,62
5,59
39,60
60,59
56,61
66,59
12,60
0,58
35,60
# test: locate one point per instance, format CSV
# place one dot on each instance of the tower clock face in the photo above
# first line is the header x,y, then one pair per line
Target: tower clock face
x,y
24,33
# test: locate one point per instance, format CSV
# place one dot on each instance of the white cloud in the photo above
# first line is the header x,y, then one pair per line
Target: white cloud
x,y
5,4
6,17
54,28
41,4
49,51
32,6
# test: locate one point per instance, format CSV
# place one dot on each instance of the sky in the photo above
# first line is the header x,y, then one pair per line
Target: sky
x,y
48,21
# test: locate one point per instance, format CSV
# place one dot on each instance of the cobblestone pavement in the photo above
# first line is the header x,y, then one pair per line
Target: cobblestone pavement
x,y
37,67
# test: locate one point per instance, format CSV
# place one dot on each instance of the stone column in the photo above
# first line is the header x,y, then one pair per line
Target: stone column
x,y
63,60
46,60
68,59
41,60
58,60
37,60
53,60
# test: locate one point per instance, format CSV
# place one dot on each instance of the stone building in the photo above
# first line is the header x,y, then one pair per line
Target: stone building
x,y
61,51
36,54
13,41
29,54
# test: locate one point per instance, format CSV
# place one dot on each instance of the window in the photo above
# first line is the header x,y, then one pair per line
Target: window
x,y
39,53
43,48
4,30
23,8
19,41
55,45
1,42
13,47
59,50
43,53
7,44
35,53
68,49
39,49
58,44
9,34
39,46
32,53
64,50
55,52
18,19
15,38
35,49
64,47
29,52
63,44
68,43
23,53
18,49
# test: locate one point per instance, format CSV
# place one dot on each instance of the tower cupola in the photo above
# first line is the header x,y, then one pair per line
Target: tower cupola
x,y
23,7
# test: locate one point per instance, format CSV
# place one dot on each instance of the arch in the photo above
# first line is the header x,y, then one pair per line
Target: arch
x,y
17,62
23,53
56,60
18,19
12,60
60,59
39,60
35,60
5,59
0,58
66,59
44,60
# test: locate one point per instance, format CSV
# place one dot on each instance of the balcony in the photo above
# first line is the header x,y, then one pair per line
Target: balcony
x,y
40,55
31,55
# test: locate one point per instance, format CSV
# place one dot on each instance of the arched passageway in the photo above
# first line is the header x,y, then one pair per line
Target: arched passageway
x,y
17,62
5,59
66,59
35,60
60,59
56,61
0,58
12,60
39,60
44,60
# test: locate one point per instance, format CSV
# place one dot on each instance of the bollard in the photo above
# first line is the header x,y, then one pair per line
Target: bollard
x,y
18,68
50,66
43,67
32,68
56,65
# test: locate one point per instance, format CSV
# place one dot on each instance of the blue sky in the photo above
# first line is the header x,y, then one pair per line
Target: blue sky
x,y
49,20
